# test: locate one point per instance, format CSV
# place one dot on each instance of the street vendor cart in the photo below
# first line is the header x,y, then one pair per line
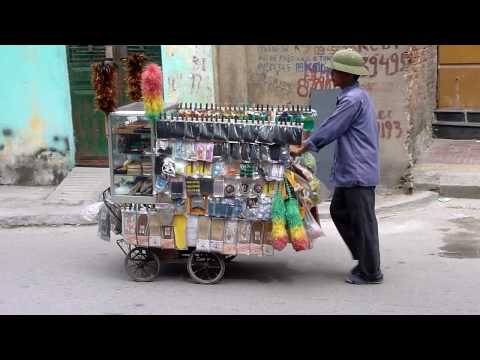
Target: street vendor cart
x,y
205,183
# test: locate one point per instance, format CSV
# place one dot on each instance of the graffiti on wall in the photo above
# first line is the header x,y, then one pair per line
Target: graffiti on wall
x,y
188,72
308,64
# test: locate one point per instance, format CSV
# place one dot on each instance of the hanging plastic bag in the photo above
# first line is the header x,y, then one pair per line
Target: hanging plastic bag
x,y
265,134
296,229
163,130
255,152
313,228
104,223
235,151
279,135
234,132
178,129
247,134
220,131
279,230
91,212
293,135
192,130
245,152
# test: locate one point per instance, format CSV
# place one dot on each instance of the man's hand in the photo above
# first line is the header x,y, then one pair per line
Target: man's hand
x,y
297,150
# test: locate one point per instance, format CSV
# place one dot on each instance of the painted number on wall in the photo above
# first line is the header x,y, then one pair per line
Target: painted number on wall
x,y
388,128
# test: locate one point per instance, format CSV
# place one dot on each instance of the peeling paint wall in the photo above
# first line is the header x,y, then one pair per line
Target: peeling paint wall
x,y
282,74
36,132
188,73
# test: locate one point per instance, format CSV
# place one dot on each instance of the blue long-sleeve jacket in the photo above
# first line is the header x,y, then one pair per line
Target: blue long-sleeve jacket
x,y
354,126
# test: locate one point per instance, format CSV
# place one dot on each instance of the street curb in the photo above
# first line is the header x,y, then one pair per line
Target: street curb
x,y
42,220
454,191
424,197
56,219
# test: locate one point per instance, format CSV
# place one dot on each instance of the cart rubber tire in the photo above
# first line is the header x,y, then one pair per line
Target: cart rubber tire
x,y
142,264
205,268
229,258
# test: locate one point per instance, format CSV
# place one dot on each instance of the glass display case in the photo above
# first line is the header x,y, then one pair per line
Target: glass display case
x,y
131,157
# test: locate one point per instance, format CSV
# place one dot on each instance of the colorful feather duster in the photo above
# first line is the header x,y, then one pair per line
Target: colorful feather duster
x,y
104,81
296,228
135,64
279,230
152,88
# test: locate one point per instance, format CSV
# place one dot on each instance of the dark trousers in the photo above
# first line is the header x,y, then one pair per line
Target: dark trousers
x,y
353,212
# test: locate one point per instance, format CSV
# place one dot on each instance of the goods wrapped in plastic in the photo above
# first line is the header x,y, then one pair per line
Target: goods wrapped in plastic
x,y
256,238
234,132
178,129
255,152
313,228
248,134
192,130
294,135
265,134
243,240
217,235
143,234
164,130
220,131
230,242
206,131
203,231
104,223
245,151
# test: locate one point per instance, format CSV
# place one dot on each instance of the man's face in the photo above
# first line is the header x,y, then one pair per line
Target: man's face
x,y
340,78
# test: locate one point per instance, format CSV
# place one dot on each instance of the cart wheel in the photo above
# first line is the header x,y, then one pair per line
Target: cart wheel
x,y
142,264
205,268
230,258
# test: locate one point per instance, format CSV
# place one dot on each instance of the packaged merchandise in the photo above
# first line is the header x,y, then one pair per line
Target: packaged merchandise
x,y
142,228
155,229
230,242
216,235
207,169
180,230
218,168
218,187
180,150
167,240
129,222
256,238
203,231
207,186
192,227
198,205
177,188
243,240
267,239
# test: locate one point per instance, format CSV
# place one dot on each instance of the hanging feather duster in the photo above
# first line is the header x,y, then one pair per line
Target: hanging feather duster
x,y
104,81
152,88
135,64
296,228
279,229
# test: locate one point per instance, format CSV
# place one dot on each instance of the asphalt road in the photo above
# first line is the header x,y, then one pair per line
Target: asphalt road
x,y
430,258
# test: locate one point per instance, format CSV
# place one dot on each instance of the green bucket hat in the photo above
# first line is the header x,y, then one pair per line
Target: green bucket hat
x,y
348,61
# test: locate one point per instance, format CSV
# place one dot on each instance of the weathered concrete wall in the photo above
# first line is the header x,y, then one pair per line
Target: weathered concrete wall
x,y
36,131
282,74
188,73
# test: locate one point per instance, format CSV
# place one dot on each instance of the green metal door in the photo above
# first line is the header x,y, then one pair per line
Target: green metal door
x,y
89,125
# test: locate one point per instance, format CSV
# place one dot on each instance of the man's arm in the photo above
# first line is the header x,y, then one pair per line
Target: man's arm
x,y
334,127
